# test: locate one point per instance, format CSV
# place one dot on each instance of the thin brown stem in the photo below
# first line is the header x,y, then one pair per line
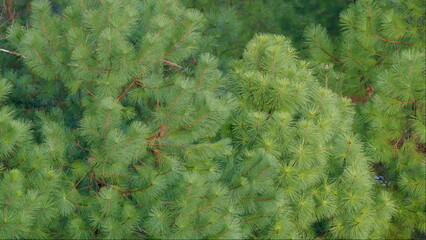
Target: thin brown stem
x,y
88,92
325,51
126,90
12,53
387,40
140,84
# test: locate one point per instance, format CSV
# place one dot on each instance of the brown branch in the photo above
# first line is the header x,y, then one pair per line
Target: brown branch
x,y
9,11
171,63
168,145
224,215
417,183
250,219
325,51
140,59
180,41
188,192
81,179
201,80
252,167
134,167
137,190
12,53
47,36
143,164
387,40
176,102
357,62
130,141
107,123
187,127
236,187
126,90
38,55
223,234
88,92
202,226
264,170
85,187
390,104
196,146
258,200
78,145
102,182
35,109
97,70
140,84
164,173
206,207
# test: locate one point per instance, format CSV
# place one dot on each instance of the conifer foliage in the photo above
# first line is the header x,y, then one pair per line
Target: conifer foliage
x,y
300,172
137,155
115,123
383,51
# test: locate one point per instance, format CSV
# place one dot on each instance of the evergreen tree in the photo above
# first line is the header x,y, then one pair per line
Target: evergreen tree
x,y
299,170
372,32
132,147
118,125
383,52
232,23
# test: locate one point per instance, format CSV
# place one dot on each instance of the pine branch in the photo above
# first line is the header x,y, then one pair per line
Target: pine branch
x,y
88,92
12,53
180,41
264,170
187,127
201,80
188,192
136,190
175,103
417,183
171,63
35,109
251,219
325,51
208,206
223,234
258,200
47,36
81,179
140,84
106,124
10,12
202,226
78,189
126,90
78,145
387,40
39,57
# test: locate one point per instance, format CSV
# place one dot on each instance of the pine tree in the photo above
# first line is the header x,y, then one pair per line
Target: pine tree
x,y
383,52
119,125
30,185
372,33
299,170
232,23
132,147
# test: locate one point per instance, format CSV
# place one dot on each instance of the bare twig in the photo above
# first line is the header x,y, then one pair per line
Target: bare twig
x,y
12,53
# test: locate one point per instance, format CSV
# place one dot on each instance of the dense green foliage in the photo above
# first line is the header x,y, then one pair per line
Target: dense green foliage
x,y
232,23
159,119
296,151
383,51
